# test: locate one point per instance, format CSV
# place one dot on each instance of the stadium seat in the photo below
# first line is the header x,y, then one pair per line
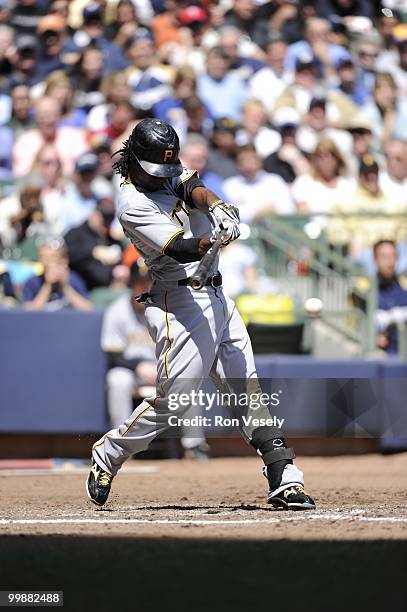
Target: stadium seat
x,y
266,309
283,339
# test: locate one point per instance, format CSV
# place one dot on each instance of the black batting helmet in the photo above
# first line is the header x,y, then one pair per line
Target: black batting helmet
x,y
155,145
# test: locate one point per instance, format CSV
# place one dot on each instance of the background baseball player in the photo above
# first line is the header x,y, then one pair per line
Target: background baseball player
x,y
172,220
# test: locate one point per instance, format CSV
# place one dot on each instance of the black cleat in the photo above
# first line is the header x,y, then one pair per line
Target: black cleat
x,y
293,497
286,489
98,484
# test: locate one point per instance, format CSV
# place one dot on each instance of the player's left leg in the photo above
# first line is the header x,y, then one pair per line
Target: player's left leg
x,y
236,372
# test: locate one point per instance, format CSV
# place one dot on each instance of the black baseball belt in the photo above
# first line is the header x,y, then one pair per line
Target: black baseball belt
x,y
212,281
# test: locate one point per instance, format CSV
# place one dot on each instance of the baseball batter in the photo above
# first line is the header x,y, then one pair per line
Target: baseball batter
x,y
172,219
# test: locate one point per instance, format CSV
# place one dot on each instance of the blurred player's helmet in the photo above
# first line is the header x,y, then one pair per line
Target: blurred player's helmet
x,y
155,145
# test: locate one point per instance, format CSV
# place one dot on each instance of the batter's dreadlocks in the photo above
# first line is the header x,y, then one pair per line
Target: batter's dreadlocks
x,y
122,165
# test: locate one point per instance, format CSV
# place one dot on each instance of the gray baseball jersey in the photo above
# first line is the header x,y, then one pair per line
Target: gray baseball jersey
x,y
152,219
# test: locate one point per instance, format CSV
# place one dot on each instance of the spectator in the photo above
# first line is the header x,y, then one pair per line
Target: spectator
x,y
69,141
360,129
194,20
256,192
51,31
7,50
148,81
317,124
399,68
172,107
93,253
124,24
145,10
7,292
306,86
326,185
114,88
166,26
24,62
79,198
59,7
340,35
21,114
269,82
87,79
288,161
230,40
25,16
344,8
198,118
386,24
300,91
101,146
392,298
22,215
58,287
254,130
195,156
222,91
287,17
5,104
243,16
360,233
394,178
17,119
316,44
59,87
387,111
366,50
6,152
120,116
91,34
347,81
222,152
48,167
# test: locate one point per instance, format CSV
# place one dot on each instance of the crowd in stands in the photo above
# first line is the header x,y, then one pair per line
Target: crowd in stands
x,y
284,107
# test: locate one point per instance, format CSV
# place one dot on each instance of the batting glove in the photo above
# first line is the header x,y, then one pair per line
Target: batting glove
x,y
227,234
226,219
221,211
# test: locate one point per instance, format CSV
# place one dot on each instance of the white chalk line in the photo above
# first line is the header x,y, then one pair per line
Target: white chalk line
x,y
205,522
68,471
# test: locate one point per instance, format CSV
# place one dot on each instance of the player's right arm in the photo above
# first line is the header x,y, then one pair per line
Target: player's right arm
x,y
195,194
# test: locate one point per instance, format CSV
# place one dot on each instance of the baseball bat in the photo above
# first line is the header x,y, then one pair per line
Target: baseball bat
x,y
200,277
